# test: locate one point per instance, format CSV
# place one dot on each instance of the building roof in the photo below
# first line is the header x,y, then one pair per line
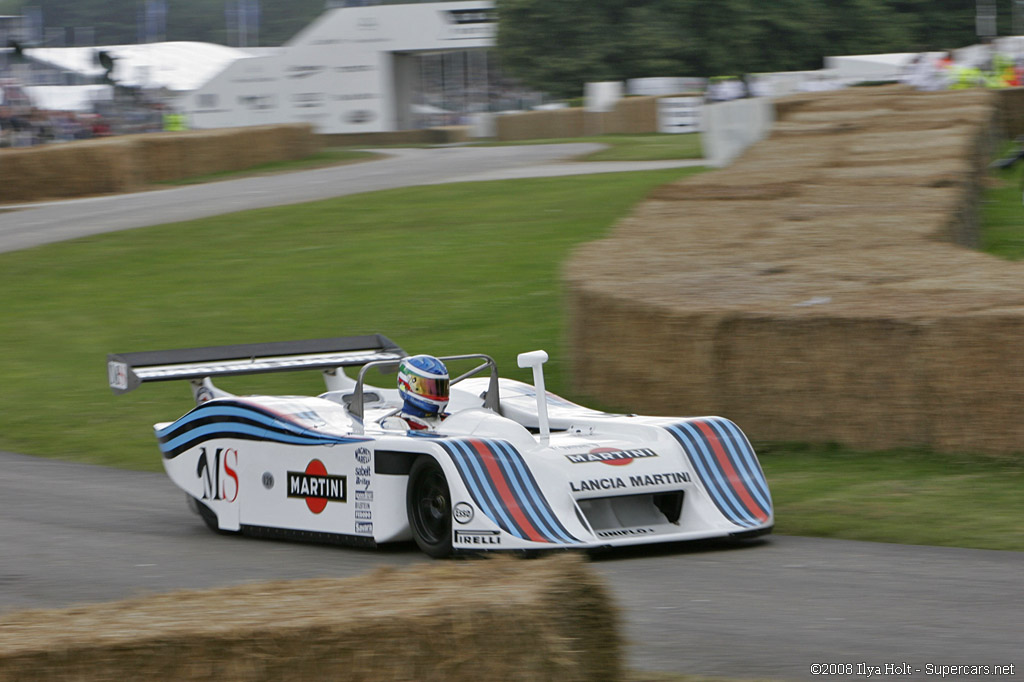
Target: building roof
x,y
178,65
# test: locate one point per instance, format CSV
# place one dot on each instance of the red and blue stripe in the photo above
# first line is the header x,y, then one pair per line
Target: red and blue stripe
x,y
726,465
504,489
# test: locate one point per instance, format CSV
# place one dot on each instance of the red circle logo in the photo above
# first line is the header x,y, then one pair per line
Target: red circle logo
x,y
622,461
316,504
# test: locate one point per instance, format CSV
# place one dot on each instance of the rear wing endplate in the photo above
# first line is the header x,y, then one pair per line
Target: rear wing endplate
x,y
126,371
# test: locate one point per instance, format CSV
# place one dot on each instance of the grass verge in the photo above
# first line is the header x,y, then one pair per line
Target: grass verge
x,y
906,496
458,268
1002,215
322,159
442,269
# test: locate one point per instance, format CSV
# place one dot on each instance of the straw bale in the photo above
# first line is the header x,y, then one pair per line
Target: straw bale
x,y
819,288
507,619
130,162
537,125
66,170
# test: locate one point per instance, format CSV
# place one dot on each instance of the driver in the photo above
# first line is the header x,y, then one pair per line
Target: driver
x,y
423,386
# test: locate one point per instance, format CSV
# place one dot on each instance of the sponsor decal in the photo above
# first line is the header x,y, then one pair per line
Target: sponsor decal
x,y
268,480
471,16
363,455
364,528
624,532
670,478
641,481
363,477
117,373
360,116
302,71
364,515
355,68
219,474
308,99
463,512
257,102
477,537
316,486
203,395
364,495
611,456
597,484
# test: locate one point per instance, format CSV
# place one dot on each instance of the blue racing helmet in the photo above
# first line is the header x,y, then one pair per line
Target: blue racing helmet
x,y
423,385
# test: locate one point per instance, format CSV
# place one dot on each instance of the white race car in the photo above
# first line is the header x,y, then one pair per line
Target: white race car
x,y
512,467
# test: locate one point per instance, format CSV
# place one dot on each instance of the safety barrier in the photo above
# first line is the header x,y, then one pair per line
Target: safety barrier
x,y
631,115
131,162
818,289
498,619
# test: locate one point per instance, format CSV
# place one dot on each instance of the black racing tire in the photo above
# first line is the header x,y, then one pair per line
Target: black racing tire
x,y
428,503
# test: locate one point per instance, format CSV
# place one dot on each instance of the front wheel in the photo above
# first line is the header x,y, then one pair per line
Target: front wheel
x,y
429,506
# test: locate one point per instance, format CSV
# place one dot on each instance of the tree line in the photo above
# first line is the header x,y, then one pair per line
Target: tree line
x,y
556,47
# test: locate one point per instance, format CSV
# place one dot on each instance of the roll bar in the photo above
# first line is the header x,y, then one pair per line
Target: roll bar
x,y
491,400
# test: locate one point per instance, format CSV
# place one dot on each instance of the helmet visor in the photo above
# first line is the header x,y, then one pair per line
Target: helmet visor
x,y
434,389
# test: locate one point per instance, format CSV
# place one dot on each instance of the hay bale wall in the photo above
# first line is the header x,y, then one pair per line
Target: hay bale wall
x,y
631,115
128,163
820,289
501,619
66,170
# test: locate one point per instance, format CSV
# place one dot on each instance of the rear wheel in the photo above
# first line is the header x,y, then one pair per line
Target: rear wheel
x,y
429,506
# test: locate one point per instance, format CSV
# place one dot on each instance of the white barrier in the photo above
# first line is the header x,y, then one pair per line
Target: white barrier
x,y
728,128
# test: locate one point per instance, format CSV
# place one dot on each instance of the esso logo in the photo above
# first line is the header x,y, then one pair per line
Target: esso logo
x,y
462,512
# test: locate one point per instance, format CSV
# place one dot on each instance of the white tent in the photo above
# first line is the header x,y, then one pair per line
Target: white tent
x,y
68,97
179,66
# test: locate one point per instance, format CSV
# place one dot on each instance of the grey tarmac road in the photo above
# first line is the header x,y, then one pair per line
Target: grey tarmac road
x,y
766,609
27,225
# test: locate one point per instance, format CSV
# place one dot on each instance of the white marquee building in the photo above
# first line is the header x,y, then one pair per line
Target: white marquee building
x,y
353,70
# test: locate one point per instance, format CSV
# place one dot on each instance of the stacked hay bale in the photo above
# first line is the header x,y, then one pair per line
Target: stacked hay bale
x,y
129,163
67,170
822,288
501,619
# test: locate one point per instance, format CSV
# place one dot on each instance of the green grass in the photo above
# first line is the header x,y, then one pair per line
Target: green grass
x,y
459,268
905,496
646,147
1003,212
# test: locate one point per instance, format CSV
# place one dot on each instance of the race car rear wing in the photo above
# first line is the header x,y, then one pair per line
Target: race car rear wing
x,y
126,371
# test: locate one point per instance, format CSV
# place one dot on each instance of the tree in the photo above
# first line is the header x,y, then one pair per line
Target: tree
x,y
559,46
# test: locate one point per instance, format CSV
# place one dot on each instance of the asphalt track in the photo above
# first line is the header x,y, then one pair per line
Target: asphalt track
x,y
27,225
767,609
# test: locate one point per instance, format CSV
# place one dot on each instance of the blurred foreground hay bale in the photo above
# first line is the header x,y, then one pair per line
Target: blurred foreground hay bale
x,y
821,289
130,162
496,619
